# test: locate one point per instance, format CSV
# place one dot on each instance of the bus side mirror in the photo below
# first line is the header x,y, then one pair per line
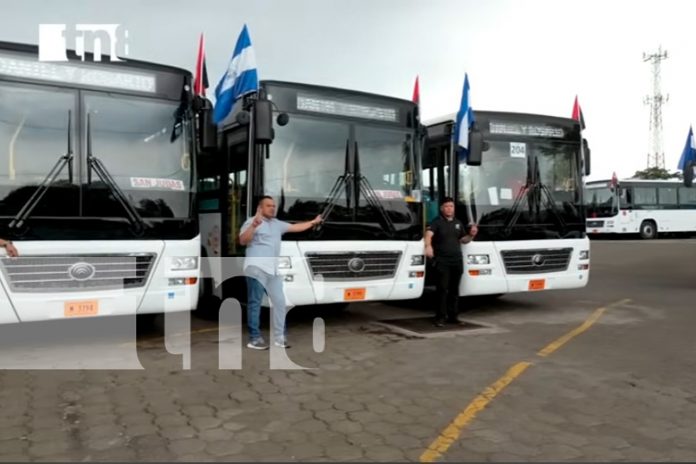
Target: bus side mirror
x,y
689,169
475,148
207,130
586,160
263,122
586,156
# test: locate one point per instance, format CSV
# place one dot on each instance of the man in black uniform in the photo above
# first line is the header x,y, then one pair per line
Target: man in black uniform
x,y
442,242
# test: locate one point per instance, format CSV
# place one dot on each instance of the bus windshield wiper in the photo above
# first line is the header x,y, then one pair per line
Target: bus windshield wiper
x,y
516,211
342,181
362,185
66,159
371,196
548,197
94,163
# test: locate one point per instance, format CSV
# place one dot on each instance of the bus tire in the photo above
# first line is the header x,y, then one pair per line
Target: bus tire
x,y
338,307
648,230
146,322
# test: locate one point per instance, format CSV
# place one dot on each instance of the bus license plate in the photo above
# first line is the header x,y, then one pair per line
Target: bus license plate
x,y
81,308
353,294
538,284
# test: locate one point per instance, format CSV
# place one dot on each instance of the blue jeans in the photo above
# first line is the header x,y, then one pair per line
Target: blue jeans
x,y
258,283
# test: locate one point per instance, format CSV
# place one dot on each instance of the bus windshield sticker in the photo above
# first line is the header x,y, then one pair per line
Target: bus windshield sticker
x,y
155,183
505,194
518,150
493,196
389,194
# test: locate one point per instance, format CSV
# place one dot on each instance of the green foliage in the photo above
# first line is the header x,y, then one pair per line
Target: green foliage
x,y
657,173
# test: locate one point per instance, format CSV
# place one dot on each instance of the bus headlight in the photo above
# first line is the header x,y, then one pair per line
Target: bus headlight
x,y
584,254
284,262
184,263
417,260
478,259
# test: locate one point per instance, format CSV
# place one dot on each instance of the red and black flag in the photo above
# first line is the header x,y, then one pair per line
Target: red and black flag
x,y
200,80
416,93
577,113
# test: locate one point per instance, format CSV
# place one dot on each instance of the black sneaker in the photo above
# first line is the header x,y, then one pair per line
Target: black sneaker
x,y
439,323
258,344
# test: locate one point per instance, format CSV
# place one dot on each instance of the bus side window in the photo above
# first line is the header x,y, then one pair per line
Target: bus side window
x,y
687,197
626,198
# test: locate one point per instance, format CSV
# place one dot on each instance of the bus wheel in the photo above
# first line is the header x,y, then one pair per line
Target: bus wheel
x,y
648,230
208,304
338,307
145,322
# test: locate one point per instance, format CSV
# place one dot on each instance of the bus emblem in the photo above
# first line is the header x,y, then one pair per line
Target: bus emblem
x,y
81,271
538,260
356,265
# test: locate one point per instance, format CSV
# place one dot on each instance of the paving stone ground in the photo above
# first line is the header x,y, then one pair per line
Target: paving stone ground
x,y
623,390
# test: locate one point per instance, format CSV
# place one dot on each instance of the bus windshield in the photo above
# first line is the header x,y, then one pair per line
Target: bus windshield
x,y
600,202
144,145
136,141
531,185
311,155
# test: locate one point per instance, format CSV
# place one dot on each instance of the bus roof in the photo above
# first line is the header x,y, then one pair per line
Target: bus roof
x,y
29,49
628,182
450,118
335,89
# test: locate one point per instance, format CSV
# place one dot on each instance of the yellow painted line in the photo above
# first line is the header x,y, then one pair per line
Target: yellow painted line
x,y
594,317
448,436
452,432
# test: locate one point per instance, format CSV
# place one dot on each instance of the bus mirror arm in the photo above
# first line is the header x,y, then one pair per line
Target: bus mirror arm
x,y
476,148
207,130
586,156
263,119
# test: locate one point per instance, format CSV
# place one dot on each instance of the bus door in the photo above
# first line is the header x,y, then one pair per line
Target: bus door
x,y
436,183
237,193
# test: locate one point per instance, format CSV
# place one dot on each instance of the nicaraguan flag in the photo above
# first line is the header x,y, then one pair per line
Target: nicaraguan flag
x,y
240,78
689,152
465,118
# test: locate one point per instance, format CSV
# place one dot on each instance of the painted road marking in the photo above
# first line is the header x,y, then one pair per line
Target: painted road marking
x,y
448,436
594,317
452,432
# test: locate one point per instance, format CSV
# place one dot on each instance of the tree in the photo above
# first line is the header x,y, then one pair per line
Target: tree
x,y
657,173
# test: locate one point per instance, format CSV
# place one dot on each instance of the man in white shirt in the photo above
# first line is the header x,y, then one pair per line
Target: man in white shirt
x,y
261,235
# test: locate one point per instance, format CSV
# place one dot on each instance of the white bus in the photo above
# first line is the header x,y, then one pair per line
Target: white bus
x,y
97,187
522,185
645,207
352,157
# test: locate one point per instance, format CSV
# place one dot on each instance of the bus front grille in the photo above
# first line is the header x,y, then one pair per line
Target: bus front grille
x,y
536,261
68,273
591,223
371,265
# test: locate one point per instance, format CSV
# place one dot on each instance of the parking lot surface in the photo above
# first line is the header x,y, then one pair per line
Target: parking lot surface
x,y
601,373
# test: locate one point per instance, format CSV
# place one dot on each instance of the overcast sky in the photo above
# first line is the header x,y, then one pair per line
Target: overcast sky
x,y
525,56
